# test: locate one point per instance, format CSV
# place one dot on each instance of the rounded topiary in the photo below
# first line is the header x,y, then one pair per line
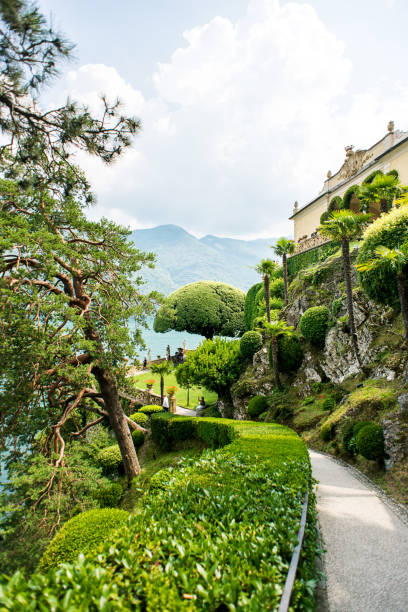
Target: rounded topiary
x,y
335,204
370,441
138,438
82,534
314,323
390,230
359,425
324,216
150,409
277,288
110,459
257,405
250,343
140,418
110,495
290,353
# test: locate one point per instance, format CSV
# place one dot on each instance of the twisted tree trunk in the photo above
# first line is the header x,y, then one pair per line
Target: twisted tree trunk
x,y
403,298
349,296
267,298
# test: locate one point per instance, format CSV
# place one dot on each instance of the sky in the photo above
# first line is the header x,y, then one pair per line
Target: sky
x,y
245,104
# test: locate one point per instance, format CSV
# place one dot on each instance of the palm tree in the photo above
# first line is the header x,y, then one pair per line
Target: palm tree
x,y
383,188
273,331
266,268
397,261
283,248
163,368
344,226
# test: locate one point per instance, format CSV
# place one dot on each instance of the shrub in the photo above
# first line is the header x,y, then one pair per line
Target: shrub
x,y
290,353
262,416
150,409
82,534
324,216
110,459
329,403
390,230
140,418
277,288
347,438
251,306
335,204
358,426
214,433
313,324
250,343
211,412
168,429
327,431
160,430
370,441
138,438
276,303
257,405
109,496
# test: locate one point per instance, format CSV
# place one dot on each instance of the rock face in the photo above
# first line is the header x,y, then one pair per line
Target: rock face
x,y
395,429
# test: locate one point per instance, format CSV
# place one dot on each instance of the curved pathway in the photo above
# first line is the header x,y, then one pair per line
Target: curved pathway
x,y
366,542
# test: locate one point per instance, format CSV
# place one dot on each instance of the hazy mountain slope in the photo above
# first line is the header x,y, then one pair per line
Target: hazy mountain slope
x,y
183,258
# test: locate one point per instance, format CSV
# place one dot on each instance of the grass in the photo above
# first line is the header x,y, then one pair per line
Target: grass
x,y
195,392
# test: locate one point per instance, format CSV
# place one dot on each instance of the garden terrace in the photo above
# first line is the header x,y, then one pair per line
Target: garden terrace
x,y
216,533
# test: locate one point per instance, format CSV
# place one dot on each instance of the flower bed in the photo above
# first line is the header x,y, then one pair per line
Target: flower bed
x,y
216,533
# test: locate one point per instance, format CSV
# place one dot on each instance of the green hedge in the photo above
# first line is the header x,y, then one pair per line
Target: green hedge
x,y
140,418
250,343
217,533
110,459
257,405
304,260
251,306
314,323
168,429
151,409
82,534
138,438
370,441
110,495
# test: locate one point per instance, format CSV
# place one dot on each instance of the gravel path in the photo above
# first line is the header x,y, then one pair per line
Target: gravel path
x,y
366,563
185,411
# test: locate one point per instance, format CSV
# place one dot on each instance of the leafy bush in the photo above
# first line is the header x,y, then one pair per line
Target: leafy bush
x,y
313,324
82,534
251,306
138,438
358,426
110,495
168,550
250,343
327,431
370,441
276,303
348,439
140,418
168,429
277,288
329,403
353,190
300,261
110,459
335,204
150,409
211,412
257,405
390,230
290,353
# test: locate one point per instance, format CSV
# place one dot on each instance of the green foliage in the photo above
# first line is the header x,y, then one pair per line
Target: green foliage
x,y
329,403
138,438
82,534
200,531
150,409
250,343
336,307
369,179
327,431
314,323
277,288
353,190
257,405
324,216
110,459
110,495
212,412
290,353
370,441
335,204
308,258
344,225
251,306
167,430
284,246
215,364
140,418
206,308
348,439
358,426
390,230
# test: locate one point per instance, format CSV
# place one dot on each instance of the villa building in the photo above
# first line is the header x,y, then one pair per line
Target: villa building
x,y
389,153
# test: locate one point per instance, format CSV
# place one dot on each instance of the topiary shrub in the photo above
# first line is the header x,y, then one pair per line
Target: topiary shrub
x,y
250,343
138,438
82,534
110,459
257,405
277,288
390,230
370,441
290,353
150,409
251,306
324,216
359,425
140,418
109,496
329,403
314,323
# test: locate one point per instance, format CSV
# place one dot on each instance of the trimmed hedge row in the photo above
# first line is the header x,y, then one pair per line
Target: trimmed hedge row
x,y
308,258
168,429
216,533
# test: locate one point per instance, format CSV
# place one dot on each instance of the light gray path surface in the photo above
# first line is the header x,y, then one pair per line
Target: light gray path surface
x,y
185,411
366,562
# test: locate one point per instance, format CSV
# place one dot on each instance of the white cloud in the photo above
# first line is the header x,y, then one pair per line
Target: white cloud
x,y
248,117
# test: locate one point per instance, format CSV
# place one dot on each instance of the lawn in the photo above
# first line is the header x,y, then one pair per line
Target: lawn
x,y
170,379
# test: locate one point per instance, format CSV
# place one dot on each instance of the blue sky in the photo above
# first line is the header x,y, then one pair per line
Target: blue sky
x,y
245,104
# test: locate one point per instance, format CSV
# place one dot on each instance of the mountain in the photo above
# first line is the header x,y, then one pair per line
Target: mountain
x,y
182,258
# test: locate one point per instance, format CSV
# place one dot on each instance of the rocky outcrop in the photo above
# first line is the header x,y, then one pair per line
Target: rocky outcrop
x,y
395,428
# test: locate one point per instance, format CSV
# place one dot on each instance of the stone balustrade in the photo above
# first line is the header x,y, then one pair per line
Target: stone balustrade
x,y
311,242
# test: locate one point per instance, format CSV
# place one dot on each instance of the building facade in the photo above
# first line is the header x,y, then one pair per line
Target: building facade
x,y
389,153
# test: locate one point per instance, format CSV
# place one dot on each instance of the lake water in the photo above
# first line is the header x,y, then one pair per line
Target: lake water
x,y
158,342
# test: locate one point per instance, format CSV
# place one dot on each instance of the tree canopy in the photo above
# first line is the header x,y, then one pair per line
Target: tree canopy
x,y
205,307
